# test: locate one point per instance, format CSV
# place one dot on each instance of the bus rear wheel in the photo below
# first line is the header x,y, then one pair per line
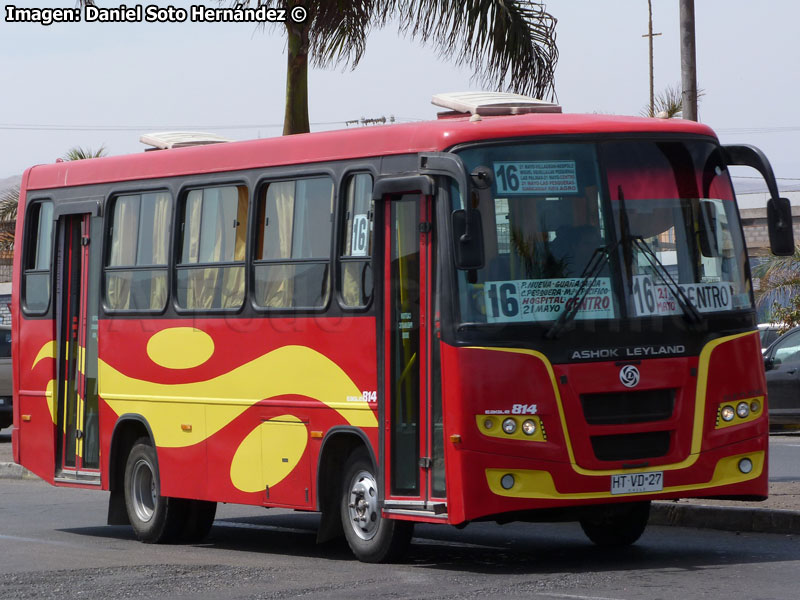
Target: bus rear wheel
x,y
155,519
617,525
199,519
371,537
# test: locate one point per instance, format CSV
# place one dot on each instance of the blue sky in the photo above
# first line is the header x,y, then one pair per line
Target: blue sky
x,y
138,77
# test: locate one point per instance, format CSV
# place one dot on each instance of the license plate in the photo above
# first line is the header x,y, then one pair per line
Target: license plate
x,y
637,483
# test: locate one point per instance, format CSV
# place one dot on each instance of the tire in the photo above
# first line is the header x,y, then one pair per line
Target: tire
x,y
155,519
199,519
371,537
617,525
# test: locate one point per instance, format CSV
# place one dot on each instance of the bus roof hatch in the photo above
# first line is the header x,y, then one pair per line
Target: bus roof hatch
x,y
179,139
493,103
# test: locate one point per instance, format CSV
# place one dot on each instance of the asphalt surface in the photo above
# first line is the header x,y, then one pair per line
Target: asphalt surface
x,y
55,545
780,513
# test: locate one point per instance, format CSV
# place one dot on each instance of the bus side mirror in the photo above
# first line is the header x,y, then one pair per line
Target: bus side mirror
x,y
467,240
779,225
779,211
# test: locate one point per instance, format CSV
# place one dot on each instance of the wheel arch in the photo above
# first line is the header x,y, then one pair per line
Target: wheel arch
x,y
128,428
337,445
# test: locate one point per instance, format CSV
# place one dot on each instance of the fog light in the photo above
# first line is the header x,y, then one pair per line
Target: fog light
x,y
727,413
745,466
509,426
529,427
755,406
488,423
743,410
508,481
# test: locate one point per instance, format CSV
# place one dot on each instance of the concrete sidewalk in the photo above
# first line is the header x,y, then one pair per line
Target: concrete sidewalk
x,y
780,513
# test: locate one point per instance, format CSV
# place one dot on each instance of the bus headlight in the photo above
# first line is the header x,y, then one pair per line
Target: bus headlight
x,y
529,427
727,413
755,406
743,410
745,465
509,426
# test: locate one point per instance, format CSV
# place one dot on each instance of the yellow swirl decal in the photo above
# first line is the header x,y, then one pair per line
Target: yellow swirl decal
x,y
277,445
180,347
290,370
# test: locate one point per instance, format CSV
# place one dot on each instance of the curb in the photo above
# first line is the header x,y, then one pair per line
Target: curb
x,y
10,470
726,518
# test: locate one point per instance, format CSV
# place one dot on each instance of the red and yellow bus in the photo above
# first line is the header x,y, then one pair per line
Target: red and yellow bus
x,y
485,317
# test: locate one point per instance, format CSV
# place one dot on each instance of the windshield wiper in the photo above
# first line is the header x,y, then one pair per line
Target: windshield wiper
x,y
689,309
589,274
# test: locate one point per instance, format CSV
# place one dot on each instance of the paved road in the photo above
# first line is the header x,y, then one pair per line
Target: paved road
x,y
53,545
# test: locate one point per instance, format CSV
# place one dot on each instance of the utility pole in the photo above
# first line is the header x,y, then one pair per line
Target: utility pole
x,y
688,61
651,35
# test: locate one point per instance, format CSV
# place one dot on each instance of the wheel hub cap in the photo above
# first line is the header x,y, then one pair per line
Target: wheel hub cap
x,y
363,505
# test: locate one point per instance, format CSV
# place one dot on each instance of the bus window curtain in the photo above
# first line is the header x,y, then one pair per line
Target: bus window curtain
x,y
278,292
216,220
196,284
233,277
162,218
123,251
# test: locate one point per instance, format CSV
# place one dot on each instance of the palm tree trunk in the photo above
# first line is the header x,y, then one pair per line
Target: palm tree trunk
x,y
296,117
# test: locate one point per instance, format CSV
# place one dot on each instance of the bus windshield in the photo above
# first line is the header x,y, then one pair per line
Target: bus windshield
x,y
656,219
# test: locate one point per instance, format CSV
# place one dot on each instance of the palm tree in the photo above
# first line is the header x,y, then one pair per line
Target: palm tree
x,y
79,153
509,43
779,296
668,104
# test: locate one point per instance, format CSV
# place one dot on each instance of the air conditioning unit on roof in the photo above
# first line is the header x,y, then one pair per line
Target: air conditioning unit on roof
x,y
493,103
180,139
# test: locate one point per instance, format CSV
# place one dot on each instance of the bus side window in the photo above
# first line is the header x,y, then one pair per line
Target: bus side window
x,y
136,268
38,258
355,271
210,270
292,254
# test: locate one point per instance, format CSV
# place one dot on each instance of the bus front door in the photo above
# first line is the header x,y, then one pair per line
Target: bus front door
x,y
77,443
414,466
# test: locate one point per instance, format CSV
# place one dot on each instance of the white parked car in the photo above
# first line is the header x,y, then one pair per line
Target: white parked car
x,y
769,332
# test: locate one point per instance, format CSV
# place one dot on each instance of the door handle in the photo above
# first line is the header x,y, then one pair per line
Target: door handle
x,y
791,371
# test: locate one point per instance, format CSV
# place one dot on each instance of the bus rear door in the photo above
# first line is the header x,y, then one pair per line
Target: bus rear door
x,y
77,443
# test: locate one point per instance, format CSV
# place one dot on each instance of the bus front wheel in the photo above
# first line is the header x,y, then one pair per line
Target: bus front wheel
x,y
154,518
371,537
617,524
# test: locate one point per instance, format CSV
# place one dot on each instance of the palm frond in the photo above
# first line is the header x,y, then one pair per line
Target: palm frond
x,y
509,45
78,153
9,200
776,265
779,277
339,29
668,103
